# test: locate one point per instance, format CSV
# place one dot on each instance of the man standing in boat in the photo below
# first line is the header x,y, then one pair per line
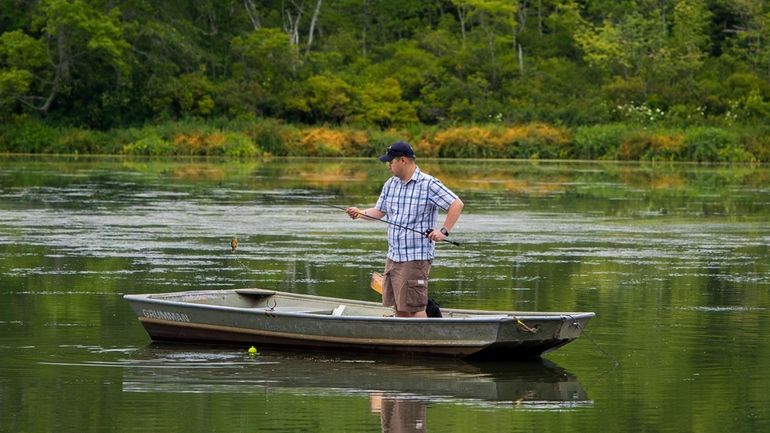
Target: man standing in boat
x,y
410,199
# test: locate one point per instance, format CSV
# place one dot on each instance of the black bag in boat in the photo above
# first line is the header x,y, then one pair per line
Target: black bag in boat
x,y
433,310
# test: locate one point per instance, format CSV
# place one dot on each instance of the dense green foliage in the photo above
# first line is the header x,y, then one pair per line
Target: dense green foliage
x,y
676,69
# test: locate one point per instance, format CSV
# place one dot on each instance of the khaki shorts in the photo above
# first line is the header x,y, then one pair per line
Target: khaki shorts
x,y
405,285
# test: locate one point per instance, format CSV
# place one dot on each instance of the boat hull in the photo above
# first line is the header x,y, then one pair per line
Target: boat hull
x,y
276,319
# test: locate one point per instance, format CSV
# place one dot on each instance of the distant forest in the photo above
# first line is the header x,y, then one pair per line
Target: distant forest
x,y
380,64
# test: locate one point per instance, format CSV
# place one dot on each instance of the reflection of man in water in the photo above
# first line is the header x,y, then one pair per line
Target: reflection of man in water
x,y
399,414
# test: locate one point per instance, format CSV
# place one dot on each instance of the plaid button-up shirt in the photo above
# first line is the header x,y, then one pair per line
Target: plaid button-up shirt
x,y
413,204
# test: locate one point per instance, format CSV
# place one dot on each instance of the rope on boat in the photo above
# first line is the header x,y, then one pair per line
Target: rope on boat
x,y
583,331
524,326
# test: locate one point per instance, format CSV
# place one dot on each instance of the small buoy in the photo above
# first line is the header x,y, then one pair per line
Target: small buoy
x,y
252,350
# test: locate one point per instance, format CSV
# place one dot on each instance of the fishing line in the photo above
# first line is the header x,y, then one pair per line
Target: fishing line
x,y
316,202
233,251
234,239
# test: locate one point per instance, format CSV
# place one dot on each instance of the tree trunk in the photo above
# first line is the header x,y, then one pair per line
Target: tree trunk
x,y
522,13
540,17
291,24
363,41
251,10
313,22
62,70
462,13
491,45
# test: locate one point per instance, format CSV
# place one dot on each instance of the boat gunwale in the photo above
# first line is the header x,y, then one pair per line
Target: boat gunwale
x,y
492,316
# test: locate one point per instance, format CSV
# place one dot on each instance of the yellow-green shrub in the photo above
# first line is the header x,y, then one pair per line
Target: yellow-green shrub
x,y
472,142
189,144
634,146
152,144
665,146
234,144
758,145
535,140
327,142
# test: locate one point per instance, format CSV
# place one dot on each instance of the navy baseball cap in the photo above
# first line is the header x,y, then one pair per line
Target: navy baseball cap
x,y
396,150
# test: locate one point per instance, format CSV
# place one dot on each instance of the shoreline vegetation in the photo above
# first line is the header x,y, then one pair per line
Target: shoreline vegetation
x,y
679,80
270,137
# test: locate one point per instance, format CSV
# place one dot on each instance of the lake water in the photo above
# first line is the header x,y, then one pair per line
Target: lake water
x,y
674,260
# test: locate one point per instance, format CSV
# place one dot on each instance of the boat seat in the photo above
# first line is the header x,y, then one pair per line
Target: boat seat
x,y
294,309
255,292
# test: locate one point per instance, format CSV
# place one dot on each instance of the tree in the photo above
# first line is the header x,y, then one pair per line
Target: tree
x,y
265,59
111,63
80,39
21,58
324,99
293,12
490,27
381,104
753,33
688,43
661,47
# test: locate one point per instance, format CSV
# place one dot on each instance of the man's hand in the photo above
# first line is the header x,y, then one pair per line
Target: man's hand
x,y
370,214
353,212
435,235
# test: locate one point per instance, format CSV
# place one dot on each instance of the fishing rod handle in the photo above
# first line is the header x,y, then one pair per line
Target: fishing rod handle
x,y
429,231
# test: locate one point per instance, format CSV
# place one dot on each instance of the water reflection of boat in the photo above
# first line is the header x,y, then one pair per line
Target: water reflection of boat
x,y
538,384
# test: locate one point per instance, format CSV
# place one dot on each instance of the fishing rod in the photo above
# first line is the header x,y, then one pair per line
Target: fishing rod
x,y
426,233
